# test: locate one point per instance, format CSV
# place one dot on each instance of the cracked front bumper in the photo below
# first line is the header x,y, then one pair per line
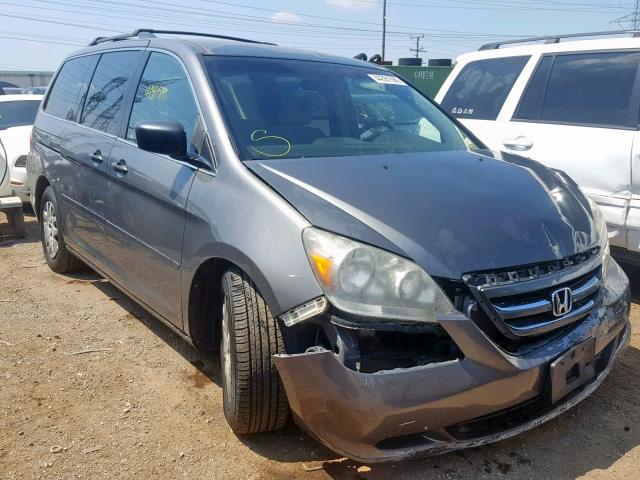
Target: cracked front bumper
x,y
484,397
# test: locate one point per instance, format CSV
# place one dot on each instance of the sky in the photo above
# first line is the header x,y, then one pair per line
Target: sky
x,y
38,34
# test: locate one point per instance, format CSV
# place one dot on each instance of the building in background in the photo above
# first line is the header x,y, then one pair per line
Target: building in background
x,y
25,79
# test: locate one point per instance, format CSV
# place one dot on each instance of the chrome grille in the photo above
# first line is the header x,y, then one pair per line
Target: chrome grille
x,y
535,316
522,309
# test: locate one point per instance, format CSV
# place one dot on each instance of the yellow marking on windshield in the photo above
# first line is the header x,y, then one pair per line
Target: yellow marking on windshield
x,y
255,138
156,92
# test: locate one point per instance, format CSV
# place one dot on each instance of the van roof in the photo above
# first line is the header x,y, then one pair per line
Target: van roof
x,y
213,44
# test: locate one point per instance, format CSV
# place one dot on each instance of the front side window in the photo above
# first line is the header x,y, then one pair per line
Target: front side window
x,y
18,113
281,108
72,80
482,87
107,89
591,89
164,94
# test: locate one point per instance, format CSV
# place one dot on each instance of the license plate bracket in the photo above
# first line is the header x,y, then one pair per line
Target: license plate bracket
x,y
573,369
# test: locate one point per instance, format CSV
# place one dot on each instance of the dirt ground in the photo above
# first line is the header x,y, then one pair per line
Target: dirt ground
x,y
144,406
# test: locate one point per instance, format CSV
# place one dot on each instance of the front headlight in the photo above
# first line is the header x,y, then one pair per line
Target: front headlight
x,y
366,281
603,234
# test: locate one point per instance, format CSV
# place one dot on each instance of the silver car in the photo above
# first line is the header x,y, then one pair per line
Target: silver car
x,y
355,256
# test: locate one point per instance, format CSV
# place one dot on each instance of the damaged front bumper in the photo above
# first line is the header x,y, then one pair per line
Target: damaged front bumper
x,y
484,396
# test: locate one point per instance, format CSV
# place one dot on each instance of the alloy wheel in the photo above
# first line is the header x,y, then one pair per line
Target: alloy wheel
x,y
50,224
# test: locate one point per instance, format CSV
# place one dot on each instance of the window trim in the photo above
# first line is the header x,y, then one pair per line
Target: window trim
x,y
122,134
635,93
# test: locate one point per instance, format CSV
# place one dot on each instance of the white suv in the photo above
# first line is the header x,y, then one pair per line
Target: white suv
x,y
17,113
573,106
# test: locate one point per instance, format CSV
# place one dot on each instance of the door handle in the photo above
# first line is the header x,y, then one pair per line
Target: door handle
x,y
96,157
120,166
519,144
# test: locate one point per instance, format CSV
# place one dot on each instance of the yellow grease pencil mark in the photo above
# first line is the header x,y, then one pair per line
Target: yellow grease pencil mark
x,y
156,92
255,138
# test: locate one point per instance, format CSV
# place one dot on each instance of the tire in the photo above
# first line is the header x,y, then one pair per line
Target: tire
x,y
410,62
16,219
440,62
58,257
254,398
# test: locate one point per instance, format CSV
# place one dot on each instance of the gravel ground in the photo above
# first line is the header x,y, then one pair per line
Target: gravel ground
x,y
143,405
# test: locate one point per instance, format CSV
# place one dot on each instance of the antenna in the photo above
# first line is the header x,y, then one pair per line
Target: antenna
x,y
417,37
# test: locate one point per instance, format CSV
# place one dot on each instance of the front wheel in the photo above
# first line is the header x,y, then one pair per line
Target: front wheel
x,y
254,397
58,257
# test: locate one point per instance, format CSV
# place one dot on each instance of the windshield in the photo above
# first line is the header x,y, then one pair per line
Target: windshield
x,y
280,108
18,113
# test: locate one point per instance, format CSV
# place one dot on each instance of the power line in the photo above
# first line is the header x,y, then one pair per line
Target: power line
x,y
503,5
169,13
632,20
182,14
113,28
108,8
58,22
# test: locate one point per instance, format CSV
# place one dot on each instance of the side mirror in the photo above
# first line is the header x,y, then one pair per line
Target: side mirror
x,y
168,138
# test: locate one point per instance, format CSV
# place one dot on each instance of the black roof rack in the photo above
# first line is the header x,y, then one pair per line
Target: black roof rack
x,y
557,38
150,33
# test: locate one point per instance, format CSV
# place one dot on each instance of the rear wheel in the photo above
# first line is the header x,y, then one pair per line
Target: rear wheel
x,y
254,398
58,257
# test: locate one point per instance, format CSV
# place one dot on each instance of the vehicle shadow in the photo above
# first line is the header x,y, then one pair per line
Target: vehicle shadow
x,y
289,444
592,436
207,366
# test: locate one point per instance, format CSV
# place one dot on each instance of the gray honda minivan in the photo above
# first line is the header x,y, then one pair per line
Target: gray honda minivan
x,y
355,256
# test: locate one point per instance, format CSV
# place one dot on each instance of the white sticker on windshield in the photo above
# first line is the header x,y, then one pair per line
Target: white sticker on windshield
x,y
386,79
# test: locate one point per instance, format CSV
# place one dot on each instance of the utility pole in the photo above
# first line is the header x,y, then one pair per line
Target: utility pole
x,y
417,37
384,26
632,20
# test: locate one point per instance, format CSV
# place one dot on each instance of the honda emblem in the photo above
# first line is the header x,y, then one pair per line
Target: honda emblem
x,y
562,301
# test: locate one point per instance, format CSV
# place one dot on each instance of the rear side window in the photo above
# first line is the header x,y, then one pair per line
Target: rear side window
x,y
18,113
70,83
585,89
107,90
481,88
164,94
